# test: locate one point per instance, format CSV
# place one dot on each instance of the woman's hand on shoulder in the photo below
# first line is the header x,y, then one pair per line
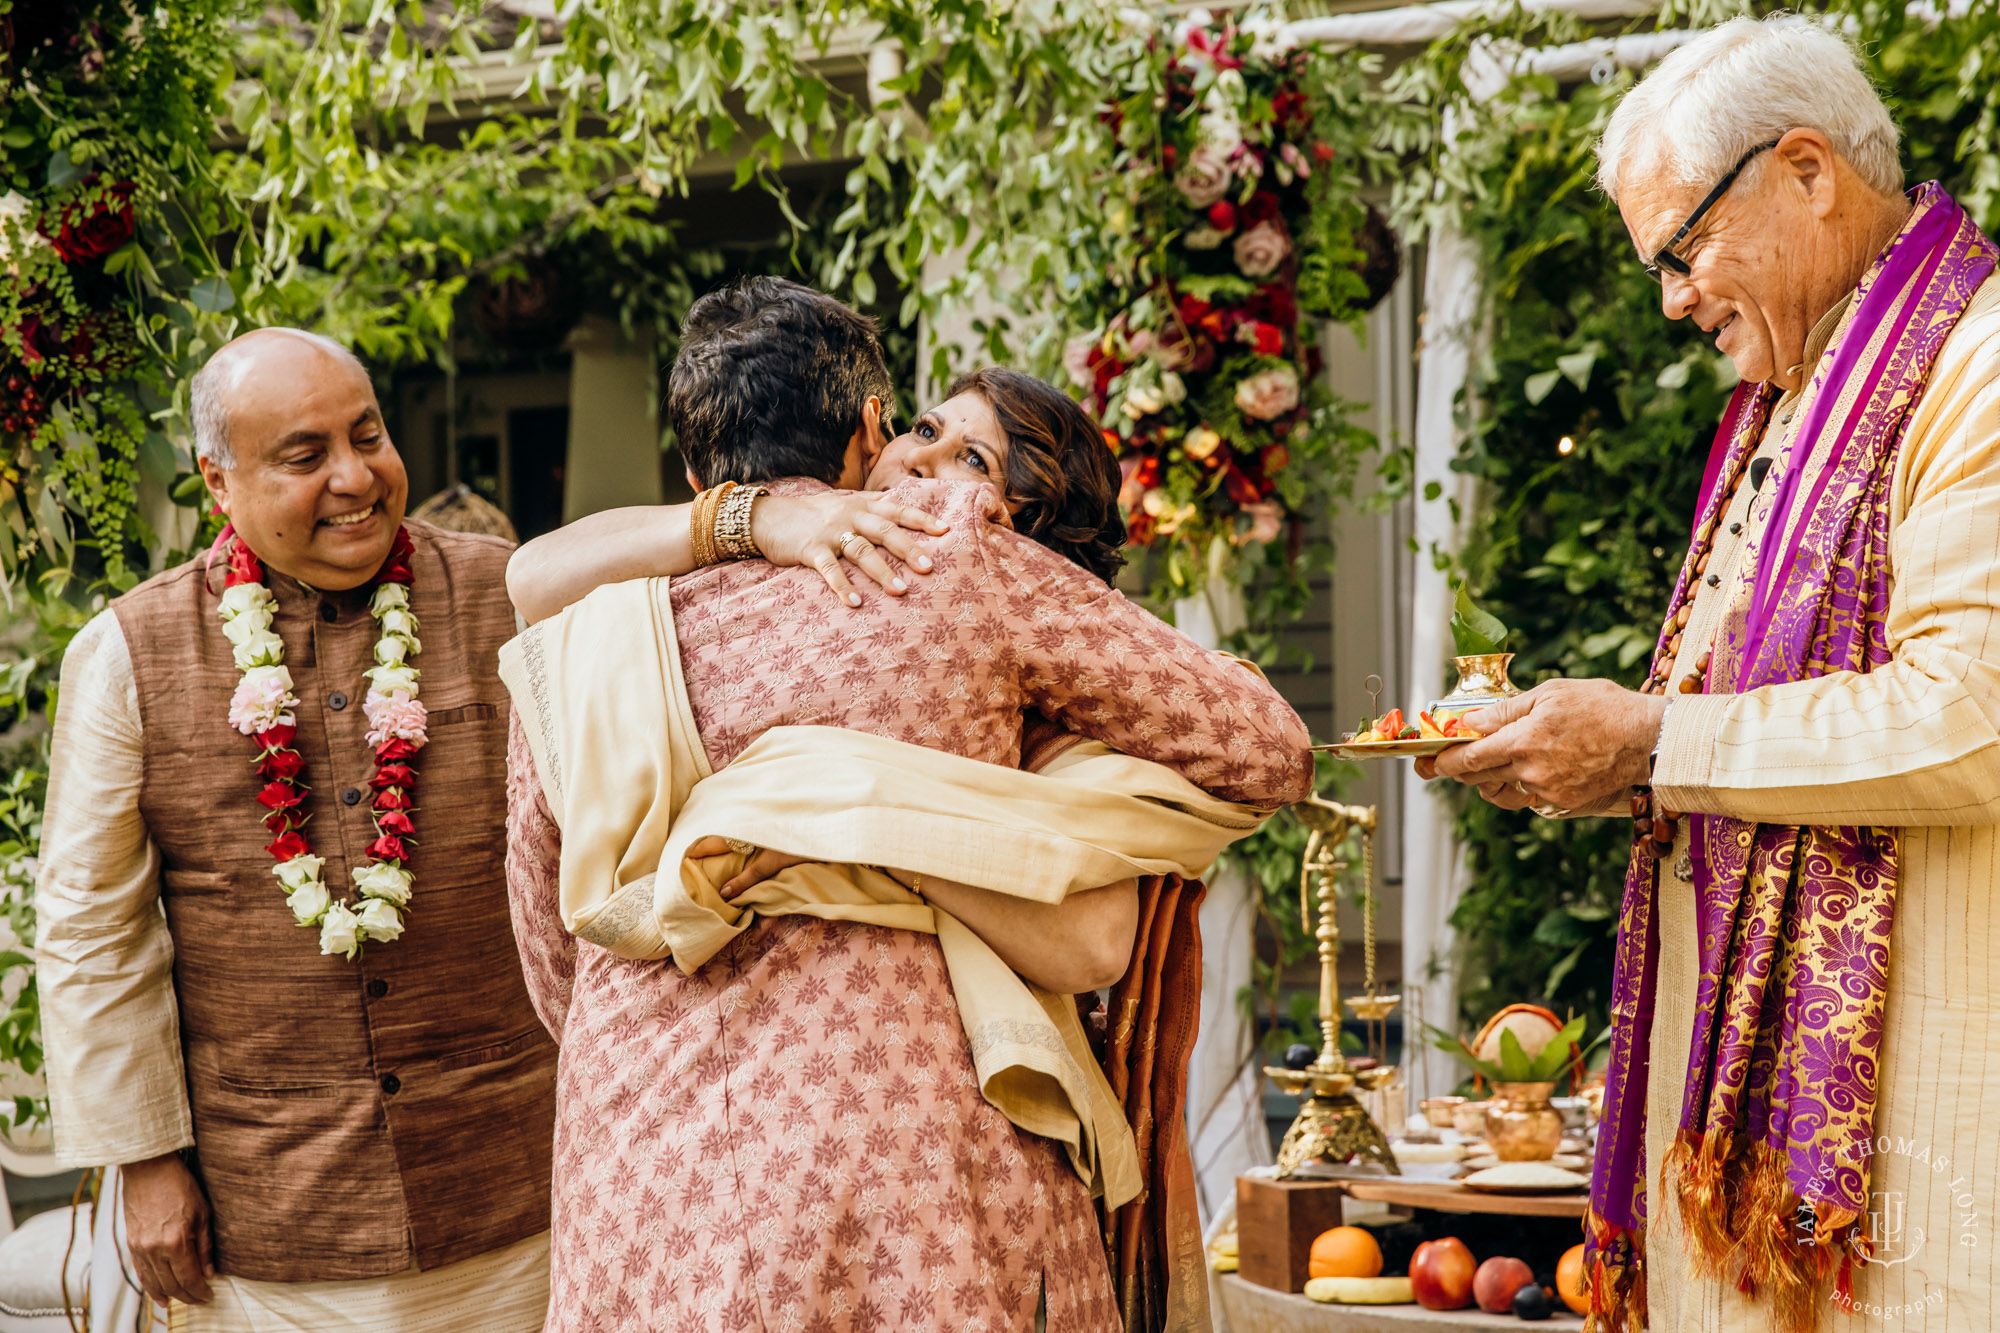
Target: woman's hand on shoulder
x,y
820,531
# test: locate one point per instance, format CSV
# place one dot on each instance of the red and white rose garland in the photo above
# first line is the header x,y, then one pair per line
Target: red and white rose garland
x,y
262,708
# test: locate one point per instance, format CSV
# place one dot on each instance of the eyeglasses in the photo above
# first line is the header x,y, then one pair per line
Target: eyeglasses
x,y
1664,257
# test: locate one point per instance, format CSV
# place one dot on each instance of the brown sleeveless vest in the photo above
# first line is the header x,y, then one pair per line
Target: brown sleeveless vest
x,y
350,1118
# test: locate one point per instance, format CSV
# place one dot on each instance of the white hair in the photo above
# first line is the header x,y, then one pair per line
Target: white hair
x,y
209,392
1744,83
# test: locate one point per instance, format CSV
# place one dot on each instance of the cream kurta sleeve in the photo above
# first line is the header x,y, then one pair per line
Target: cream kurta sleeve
x,y
1917,741
103,957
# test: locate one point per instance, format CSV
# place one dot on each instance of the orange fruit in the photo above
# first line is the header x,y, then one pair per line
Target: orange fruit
x,y
1345,1252
1569,1280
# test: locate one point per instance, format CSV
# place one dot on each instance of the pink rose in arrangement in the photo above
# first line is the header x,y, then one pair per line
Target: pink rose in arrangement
x,y
1268,394
1261,249
1205,178
1076,359
395,717
263,699
1267,519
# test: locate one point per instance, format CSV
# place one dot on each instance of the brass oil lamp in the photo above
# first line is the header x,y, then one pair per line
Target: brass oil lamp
x,y
1332,1127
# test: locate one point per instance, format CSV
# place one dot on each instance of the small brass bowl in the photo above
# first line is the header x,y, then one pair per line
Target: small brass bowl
x,y
1469,1119
1438,1110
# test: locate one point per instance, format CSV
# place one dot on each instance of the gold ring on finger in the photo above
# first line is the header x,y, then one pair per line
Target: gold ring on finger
x,y
847,540
738,845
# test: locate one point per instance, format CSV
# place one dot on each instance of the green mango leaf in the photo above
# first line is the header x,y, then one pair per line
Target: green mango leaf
x,y
1474,632
1556,1056
1513,1059
1538,387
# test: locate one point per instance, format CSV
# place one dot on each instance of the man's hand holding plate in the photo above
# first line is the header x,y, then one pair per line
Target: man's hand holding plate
x,y
1566,743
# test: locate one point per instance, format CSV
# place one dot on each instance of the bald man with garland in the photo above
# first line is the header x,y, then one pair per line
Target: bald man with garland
x,y
278,980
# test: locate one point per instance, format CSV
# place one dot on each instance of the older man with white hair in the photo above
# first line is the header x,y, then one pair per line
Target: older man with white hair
x,y
1804,1047
278,979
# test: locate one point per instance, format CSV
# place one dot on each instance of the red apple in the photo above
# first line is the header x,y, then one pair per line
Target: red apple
x,y
1494,1285
1441,1274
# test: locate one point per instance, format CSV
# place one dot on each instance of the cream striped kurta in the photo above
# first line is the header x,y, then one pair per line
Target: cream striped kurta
x,y
1914,744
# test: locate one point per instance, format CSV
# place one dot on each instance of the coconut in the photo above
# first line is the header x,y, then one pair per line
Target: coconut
x,y
1533,1026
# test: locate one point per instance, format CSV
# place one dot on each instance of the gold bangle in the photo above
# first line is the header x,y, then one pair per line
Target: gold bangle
x,y
732,524
701,524
916,884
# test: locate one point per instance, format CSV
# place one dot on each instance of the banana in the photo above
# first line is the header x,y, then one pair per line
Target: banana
x,y
1361,1290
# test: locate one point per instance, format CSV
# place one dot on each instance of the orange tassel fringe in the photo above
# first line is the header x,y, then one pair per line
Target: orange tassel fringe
x,y
1741,1210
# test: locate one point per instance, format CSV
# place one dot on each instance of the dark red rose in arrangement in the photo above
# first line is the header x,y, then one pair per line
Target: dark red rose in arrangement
x,y
1222,215
393,775
93,228
278,737
279,796
281,764
387,848
395,821
394,800
390,752
286,846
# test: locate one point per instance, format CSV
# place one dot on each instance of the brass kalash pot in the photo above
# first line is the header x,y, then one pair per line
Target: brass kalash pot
x,y
1333,1128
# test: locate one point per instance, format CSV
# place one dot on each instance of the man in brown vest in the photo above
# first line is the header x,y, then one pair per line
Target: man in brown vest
x,y
317,1068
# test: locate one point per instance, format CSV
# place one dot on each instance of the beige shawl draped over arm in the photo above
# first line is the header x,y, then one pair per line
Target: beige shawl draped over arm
x,y
606,713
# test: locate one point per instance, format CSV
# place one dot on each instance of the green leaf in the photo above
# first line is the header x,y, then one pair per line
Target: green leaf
x,y
1474,632
17,136
212,294
1576,366
1538,387
1514,1060
62,171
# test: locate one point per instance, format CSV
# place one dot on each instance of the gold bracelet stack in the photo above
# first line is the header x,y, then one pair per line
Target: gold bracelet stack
x,y
701,524
732,523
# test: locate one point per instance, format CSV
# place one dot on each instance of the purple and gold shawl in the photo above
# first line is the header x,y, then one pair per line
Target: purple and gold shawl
x,y
1794,921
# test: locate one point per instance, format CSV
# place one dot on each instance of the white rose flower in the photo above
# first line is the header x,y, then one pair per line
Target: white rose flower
x,y
380,920
1269,39
1203,237
269,678
390,650
1219,129
253,621
1172,389
399,622
389,679
337,932
299,871
262,649
308,901
379,879
1142,401
242,598
389,595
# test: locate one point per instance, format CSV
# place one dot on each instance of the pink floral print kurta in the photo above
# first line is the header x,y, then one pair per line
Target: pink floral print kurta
x,y
794,1138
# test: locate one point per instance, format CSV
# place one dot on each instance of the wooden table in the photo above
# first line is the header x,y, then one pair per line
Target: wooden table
x,y
1249,1308
1449,1198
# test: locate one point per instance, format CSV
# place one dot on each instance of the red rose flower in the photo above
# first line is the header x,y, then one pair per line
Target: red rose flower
x,y
287,846
1323,151
1222,215
388,848
92,229
1147,474
1263,206
1240,487
279,796
390,751
285,764
396,569
1170,155
244,566
1275,457
1193,308
279,737
394,799
393,775
1265,339
395,821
